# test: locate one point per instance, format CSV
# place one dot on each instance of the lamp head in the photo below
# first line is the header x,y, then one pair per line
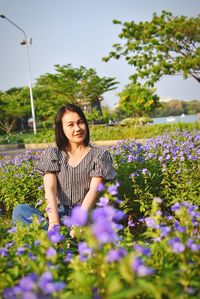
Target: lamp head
x,y
2,16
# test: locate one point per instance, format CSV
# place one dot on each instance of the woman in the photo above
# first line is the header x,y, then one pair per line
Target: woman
x,y
72,171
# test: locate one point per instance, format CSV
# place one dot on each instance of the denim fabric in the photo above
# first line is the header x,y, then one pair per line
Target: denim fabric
x,y
25,213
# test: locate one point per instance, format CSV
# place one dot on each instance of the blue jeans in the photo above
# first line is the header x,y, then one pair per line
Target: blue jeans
x,y
25,213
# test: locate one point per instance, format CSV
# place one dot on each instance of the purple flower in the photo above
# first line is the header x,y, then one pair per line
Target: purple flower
x,y
78,217
176,245
69,256
140,269
130,158
119,215
32,257
142,250
51,252
103,201
20,250
112,190
130,223
175,207
145,171
47,285
178,227
45,278
54,235
29,295
85,252
107,212
37,243
104,232
28,282
3,251
12,230
115,255
164,231
150,222
101,187
51,287
192,245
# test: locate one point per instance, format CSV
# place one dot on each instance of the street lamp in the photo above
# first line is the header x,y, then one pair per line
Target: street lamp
x,y
25,42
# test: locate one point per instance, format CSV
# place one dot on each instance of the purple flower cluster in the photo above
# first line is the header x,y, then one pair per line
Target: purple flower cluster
x,y
174,147
54,234
78,217
33,286
140,269
114,255
85,252
104,224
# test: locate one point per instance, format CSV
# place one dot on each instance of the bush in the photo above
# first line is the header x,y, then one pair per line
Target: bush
x,y
166,166
19,182
140,241
108,262
135,121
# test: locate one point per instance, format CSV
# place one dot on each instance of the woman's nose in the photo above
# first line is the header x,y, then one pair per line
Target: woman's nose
x,y
77,127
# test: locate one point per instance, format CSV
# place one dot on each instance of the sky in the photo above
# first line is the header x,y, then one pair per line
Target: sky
x,y
81,32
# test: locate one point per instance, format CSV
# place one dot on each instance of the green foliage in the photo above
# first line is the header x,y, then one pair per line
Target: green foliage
x,y
164,258
19,183
136,100
166,45
166,166
139,257
14,103
135,121
66,85
69,85
11,139
105,132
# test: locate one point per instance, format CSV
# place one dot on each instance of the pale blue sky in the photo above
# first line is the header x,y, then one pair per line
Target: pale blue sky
x,y
80,32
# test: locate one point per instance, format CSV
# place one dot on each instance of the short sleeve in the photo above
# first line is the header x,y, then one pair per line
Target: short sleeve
x,y
48,162
102,166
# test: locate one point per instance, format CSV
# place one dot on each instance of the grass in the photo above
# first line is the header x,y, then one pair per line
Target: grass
x,y
102,132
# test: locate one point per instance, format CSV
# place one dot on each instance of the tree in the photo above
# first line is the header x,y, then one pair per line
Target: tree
x,y
136,100
71,85
167,45
14,103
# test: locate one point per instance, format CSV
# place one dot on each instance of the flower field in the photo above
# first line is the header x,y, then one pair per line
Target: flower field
x,y
142,240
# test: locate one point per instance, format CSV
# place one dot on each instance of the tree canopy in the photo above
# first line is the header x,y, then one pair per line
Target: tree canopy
x,y
137,100
166,45
71,84
66,85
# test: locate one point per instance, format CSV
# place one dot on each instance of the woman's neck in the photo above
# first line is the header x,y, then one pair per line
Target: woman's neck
x,y
76,148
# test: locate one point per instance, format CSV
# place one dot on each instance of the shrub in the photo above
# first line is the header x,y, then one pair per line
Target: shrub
x,y
104,261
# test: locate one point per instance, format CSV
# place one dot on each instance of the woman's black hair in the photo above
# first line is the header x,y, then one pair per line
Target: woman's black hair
x,y
61,139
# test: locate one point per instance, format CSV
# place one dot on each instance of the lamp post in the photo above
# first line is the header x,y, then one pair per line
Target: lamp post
x,y
25,42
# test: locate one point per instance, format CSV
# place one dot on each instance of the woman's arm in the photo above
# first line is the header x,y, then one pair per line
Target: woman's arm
x,y
91,196
50,187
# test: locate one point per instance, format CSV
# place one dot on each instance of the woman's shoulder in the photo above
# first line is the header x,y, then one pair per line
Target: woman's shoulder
x,y
98,151
53,151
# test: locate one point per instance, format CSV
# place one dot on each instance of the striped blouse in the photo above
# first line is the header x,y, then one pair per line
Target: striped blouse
x,y
73,182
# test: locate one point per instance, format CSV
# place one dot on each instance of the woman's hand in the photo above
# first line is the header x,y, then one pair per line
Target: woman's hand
x,y
52,226
72,232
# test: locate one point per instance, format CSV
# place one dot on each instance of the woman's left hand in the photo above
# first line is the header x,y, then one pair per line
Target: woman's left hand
x,y
72,233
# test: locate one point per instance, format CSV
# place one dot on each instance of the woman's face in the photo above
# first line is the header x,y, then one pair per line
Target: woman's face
x,y
74,127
